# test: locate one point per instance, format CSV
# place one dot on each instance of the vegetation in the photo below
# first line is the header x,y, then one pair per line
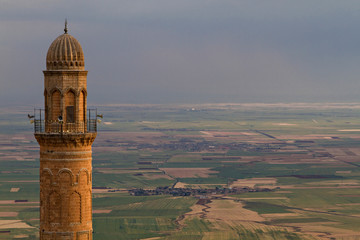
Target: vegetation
x,y
308,156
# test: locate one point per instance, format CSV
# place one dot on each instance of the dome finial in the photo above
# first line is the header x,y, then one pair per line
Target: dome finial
x,y
65,29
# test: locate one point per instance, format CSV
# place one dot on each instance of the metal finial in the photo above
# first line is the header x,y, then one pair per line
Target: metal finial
x,y
65,29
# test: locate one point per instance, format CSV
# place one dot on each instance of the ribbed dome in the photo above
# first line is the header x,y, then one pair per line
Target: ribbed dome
x,y
65,53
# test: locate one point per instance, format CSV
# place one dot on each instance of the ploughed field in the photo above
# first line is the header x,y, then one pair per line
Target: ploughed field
x,y
250,171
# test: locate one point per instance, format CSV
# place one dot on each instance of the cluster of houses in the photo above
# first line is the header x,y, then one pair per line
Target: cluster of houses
x,y
194,191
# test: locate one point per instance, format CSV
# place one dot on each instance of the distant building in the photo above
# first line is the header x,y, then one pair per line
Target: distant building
x,y
65,131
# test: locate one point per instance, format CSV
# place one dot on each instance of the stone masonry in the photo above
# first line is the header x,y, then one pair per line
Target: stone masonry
x,y
65,146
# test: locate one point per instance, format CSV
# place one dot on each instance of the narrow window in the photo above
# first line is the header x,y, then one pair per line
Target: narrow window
x,y
70,116
70,107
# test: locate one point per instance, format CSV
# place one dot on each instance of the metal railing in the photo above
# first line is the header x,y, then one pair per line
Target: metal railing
x,y
58,126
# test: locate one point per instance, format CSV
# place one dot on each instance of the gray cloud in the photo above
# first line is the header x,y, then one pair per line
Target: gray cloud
x,y
160,51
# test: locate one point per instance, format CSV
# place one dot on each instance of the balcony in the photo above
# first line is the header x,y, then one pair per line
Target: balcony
x,y
60,127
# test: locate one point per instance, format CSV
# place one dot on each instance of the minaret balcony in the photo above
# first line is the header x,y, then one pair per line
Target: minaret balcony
x,y
59,126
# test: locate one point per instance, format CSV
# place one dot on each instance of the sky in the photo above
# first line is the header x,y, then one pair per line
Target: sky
x,y
188,51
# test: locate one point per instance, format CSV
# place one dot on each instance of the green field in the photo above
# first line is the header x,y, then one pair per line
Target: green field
x,y
307,155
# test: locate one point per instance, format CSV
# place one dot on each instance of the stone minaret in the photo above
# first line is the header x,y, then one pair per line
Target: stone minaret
x,y
65,131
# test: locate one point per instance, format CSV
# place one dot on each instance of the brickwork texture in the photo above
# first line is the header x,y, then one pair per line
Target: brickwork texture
x,y
65,156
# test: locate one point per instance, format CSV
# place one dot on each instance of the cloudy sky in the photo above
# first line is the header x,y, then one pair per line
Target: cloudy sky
x,y
188,51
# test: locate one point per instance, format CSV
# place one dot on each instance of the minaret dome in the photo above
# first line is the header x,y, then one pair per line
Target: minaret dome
x,y
65,53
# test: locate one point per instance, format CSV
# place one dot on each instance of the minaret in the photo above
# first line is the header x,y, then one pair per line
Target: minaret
x,y
65,131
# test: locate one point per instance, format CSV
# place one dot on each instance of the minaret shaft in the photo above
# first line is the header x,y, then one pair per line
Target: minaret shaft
x,y
65,186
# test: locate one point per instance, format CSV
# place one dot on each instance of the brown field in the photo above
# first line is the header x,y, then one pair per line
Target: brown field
x,y
197,210
21,236
335,151
284,124
180,185
250,133
354,150
8,214
220,133
251,182
265,198
343,172
6,224
229,210
28,203
17,158
131,171
322,231
226,214
7,201
349,130
348,158
307,137
157,176
348,204
102,211
279,215
188,172
14,189
204,186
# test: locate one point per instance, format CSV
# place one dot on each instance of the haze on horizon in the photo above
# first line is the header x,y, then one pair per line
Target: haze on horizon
x,y
188,51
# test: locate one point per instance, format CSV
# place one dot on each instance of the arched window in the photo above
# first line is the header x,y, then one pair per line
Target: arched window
x,y
46,178
83,178
70,106
65,178
42,206
75,208
88,206
54,207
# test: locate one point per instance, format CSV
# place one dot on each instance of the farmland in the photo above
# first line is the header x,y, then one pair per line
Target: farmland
x,y
306,156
